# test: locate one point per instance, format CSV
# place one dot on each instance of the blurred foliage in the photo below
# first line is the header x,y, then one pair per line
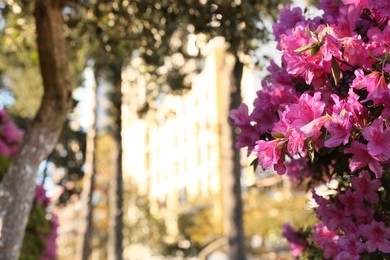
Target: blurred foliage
x,y
19,64
143,227
38,228
313,2
19,61
165,36
106,150
4,164
68,157
105,167
200,225
265,212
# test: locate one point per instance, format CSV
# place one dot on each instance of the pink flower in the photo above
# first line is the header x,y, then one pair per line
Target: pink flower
x,y
355,52
240,115
279,76
264,112
10,135
345,23
378,140
50,251
288,19
385,101
361,158
377,92
4,149
379,40
247,138
368,82
326,239
352,202
306,67
269,152
10,132
366,187
314,127
331,47
386,68
354,106
297,243
296,118
332,217
301,64
330,7
377,236
40,196
350,247
302,109
298,169
339,127
361,4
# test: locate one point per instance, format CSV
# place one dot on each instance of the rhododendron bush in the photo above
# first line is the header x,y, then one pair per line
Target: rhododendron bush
x,y
41,232
324,115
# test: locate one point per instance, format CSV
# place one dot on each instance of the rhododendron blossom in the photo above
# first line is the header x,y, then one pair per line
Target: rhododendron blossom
x,y
10,135
323,115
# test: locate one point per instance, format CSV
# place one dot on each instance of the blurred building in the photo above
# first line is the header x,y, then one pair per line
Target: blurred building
x,y
173,154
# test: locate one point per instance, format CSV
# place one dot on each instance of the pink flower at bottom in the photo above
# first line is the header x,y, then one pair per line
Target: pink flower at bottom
x,y
297,243
350,248
326,239
377,236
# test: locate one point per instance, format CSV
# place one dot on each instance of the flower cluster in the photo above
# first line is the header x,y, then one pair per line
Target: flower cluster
x,y
325,114
50,248
10,135
41,232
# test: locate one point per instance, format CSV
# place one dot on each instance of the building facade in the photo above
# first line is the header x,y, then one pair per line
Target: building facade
x,y
173,154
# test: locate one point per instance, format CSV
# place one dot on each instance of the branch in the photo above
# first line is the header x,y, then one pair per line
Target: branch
x,y
18,187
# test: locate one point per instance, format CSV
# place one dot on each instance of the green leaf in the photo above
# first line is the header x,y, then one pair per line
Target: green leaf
x,y
304,48
308,32
255,163
335,71
315,49
277,135
325,31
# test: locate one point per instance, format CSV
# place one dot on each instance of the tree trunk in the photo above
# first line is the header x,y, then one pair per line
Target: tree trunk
x,y
116,187
233,204
85,236
18,186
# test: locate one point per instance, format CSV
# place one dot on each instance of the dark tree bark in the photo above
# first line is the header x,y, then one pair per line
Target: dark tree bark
x,y
233,199
116,182
18,186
